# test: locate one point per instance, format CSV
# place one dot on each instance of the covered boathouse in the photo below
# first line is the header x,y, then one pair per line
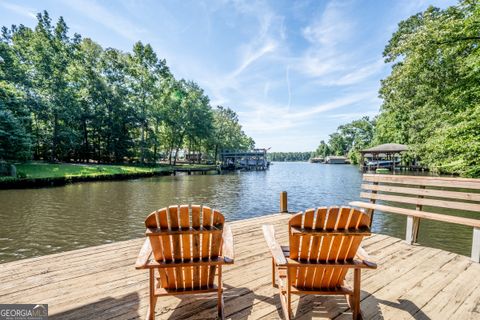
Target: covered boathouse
x,y
255,159
382,156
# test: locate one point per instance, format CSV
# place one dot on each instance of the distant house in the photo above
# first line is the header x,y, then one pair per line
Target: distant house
x,y
336,160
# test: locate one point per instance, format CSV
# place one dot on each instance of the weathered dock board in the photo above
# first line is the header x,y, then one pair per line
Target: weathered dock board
x,y
411,282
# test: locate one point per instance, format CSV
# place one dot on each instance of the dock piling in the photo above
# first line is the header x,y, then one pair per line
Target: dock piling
x,y
283,202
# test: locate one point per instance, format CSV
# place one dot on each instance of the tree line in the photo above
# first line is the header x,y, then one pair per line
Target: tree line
x,y
348,140
431,99
289,156
65,98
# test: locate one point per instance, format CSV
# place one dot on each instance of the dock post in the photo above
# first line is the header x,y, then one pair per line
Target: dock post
x,y
283,202
476,245
411,234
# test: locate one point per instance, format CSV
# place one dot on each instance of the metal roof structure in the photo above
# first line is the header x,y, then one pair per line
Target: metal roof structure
x,y
386,148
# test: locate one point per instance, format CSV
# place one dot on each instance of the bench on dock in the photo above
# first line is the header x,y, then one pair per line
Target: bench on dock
x,y
420,192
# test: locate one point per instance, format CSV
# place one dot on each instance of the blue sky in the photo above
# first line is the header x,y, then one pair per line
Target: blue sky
x,y
293,70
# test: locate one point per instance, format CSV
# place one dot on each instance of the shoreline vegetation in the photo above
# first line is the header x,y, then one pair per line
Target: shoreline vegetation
x,y
430,99
65,98
42,174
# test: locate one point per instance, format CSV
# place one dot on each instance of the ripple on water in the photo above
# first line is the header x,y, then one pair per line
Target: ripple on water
x,y
42,221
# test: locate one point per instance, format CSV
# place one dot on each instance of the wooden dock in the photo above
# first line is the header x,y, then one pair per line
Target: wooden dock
x,y
200,170
411,282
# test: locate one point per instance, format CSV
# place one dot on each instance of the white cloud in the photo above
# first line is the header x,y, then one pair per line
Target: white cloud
x,y
289,89
331,105
272,117
346,117
357,75
326,34
104,16
21,10
252,55
333,26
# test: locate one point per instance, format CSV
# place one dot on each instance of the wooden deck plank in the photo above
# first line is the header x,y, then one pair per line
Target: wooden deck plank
x,y
101,283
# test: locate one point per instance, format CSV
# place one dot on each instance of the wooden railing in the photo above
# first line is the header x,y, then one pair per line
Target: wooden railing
x,y
453,194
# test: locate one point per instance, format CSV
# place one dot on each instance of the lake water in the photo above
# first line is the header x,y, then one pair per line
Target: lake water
x,y
37,222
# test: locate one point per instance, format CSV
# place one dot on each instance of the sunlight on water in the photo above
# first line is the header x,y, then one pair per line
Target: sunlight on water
x,y
41,221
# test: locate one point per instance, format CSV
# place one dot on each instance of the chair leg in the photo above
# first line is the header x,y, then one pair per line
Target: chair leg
x,y
355,305
289,293
220,295
273,272
153,298
284,303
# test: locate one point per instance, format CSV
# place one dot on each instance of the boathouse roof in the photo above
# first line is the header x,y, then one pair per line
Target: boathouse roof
x,y
387,148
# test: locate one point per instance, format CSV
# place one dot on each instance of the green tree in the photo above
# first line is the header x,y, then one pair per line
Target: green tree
x,y
323,149
145,71
228,133
67,99
431,97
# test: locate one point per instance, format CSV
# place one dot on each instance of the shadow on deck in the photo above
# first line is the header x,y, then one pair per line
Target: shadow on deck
x,y
412,282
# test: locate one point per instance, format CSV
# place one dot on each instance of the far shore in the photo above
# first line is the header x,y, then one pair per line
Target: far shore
x,y
43,174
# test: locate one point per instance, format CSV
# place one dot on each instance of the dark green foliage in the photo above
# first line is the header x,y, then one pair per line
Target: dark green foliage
x,y
431,99
14,141
66,98
289,156
349,139
323,150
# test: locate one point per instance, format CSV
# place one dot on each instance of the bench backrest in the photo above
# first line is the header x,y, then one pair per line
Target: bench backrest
x,y
419,191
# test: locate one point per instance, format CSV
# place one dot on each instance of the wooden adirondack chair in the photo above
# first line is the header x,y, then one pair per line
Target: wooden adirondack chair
x,y
323,247
185,248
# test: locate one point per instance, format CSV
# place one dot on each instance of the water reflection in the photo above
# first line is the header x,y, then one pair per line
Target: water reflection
x,y
42,221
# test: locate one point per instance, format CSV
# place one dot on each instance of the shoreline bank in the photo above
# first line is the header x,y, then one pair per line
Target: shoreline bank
x,y
39,175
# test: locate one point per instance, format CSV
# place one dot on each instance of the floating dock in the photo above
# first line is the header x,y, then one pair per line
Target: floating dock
x,y
411,282
202,171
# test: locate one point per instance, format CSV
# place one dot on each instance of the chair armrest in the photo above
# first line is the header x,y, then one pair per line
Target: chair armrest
x,y
363,255
273,245
144,255
227,248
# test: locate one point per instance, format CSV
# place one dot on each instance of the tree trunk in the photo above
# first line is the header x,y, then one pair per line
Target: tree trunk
x,y
54,138
190,160
176,155
37,143
142,145
86,156
170,154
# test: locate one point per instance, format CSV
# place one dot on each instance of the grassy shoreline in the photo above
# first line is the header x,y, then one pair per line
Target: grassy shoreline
x,y
41,174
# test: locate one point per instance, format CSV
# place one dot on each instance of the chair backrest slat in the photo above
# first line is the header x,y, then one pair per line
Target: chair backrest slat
x,y
216,241
295,221
206,222
307,224
186,239
319,225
